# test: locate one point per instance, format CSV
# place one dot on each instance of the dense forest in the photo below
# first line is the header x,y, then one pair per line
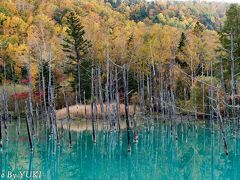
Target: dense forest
x,y
173,13
132,32
77,49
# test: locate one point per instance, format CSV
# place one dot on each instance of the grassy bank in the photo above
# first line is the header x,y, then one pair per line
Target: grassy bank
x,y
78,111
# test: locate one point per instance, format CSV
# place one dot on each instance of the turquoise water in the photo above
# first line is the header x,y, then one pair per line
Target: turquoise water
x,y
197,154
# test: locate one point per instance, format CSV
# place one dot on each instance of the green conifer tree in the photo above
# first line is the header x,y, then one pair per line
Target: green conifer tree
x,y
76,47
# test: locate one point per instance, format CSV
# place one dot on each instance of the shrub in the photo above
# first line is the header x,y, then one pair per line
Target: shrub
x,y
20,90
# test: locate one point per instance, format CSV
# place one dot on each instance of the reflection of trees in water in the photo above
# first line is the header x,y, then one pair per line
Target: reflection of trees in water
x,y
196,154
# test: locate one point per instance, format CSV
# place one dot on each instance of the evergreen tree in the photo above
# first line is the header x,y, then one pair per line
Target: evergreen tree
x,y
76,47
232,25
179,59
198,29
182,42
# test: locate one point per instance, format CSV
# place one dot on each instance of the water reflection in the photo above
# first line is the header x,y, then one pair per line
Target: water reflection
x,y
196,154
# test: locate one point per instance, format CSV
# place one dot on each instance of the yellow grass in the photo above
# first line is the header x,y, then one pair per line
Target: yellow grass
x,y
79,111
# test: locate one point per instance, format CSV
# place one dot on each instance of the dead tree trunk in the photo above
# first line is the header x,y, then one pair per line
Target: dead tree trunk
x,y
16,103
85,108
30,93
117,102
220,123
226,112
172,100
52,106
5,104
232,73
203,93
192,80
79,80
43,88
101,98
107,88
211,101
149,84
126,106
142,101
49,96
92,110
27,111
135,135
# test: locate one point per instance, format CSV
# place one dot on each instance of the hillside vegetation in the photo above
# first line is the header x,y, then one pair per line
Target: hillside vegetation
x,y
132,32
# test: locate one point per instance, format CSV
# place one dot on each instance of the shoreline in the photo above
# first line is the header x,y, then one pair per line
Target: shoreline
x,y
83,111
83,124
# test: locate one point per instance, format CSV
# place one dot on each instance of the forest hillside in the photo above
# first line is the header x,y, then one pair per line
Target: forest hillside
x,y
181,38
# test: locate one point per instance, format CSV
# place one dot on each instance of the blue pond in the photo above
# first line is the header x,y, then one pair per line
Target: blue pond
x,y
196,154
